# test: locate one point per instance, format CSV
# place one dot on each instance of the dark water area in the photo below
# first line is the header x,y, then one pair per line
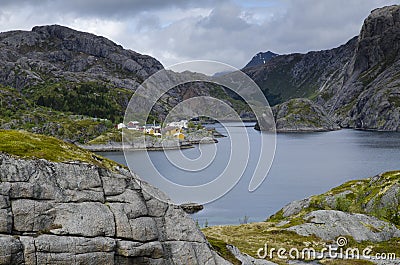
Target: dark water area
x,y
305,164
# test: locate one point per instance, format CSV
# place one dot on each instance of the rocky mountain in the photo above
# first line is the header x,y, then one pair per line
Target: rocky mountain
x,y
299,75
366,93
57,53
372,202
357,83
63,205
261,58
65,77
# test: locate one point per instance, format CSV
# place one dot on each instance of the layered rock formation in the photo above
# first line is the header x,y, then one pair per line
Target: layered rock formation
x,y
358,214
80,213
330,224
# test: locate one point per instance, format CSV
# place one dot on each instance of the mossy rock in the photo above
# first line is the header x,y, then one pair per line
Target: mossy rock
x,y
297,115
29,145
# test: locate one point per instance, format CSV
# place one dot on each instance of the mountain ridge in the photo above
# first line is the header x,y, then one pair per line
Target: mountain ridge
x,y
52,49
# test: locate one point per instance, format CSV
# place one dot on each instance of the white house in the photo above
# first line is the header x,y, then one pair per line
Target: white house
x,y
133,125
181,124
120,126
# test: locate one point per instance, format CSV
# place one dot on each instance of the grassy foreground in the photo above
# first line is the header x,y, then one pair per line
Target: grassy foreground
x,y
366,196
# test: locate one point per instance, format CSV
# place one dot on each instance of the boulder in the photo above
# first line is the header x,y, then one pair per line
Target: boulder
x,y
330,224
295,207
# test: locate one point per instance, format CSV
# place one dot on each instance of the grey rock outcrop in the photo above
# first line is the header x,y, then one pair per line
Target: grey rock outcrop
x,y
295,207
191,207
330,224
298,115
78,213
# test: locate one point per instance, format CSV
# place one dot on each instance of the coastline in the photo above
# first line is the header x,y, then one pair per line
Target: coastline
x,y
120,147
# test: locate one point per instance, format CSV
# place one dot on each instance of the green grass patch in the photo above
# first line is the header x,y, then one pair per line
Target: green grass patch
x,y
220,247
28,145
248,238
112,136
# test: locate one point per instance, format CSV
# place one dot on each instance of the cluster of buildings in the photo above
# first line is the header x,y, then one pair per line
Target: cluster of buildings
x,y
173,129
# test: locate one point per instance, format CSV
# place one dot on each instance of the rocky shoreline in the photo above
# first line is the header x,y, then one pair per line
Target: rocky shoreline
x,y
147,146
119,147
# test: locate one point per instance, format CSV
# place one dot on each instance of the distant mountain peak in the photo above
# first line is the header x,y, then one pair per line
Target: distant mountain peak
x,y
261,58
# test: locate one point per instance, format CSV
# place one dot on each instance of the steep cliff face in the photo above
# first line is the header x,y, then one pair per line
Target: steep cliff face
x,y
357,83
87,212
368,95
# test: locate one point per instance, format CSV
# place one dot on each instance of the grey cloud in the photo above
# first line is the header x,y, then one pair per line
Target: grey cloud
x,y
146,22
226,17
226,36
313,25
104,8
229,33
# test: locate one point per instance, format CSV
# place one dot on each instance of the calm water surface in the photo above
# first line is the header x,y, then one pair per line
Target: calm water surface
x,y
304,164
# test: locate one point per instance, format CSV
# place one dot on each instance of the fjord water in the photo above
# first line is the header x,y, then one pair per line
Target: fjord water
x,y
305,164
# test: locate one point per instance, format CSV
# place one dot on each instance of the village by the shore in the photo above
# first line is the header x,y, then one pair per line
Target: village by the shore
x,y
173,135
174,129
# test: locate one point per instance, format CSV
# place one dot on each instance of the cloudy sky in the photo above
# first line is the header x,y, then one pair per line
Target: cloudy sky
x,y
173,31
